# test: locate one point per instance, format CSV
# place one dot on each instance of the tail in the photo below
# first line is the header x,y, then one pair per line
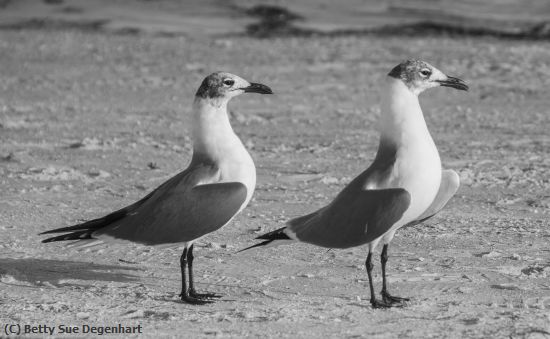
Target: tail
x,y
269,238
85,230
280,235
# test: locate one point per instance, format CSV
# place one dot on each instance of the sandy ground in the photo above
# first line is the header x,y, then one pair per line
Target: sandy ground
x,y
91,122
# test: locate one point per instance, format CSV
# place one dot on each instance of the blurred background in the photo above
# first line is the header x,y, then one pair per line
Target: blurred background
x,y
523,18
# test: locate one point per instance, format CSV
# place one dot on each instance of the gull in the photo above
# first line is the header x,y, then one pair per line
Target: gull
x,y
404,185
214,188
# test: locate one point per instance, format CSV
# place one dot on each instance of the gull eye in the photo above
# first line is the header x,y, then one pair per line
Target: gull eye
x,y
229,82
426,72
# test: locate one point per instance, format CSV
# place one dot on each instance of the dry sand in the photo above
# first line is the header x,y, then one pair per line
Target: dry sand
x,y
91,122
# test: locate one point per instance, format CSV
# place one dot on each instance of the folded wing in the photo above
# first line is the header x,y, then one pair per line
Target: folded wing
x,y
354,218
177,211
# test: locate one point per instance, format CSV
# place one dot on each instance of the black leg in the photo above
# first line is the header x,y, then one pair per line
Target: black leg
x,y
184,295
389,299
183,263
192,291
374,302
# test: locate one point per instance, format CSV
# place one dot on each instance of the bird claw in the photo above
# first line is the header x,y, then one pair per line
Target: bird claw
x,y
393,301
186,298
204,296
379,304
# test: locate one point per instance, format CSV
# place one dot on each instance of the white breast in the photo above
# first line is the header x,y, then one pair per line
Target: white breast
x,y
213,136
418,170
237,166
417,167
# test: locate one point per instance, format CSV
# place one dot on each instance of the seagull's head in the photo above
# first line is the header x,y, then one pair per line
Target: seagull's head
x,y
419,76
222,86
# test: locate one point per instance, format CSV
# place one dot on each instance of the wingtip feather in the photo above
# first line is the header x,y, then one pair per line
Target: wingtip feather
x,y
263,243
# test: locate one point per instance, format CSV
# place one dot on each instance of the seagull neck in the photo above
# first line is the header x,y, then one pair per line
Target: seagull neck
x,y
212,132
401,120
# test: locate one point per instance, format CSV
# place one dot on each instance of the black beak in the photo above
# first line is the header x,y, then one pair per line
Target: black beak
x,y
257,88
454,83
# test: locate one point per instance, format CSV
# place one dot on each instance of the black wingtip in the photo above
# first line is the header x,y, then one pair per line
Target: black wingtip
x,y
47,232
78,227
52,239
278,234
263,243
81,235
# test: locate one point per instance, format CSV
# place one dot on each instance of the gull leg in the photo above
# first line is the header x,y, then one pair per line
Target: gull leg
x,y
374,302
192,292
389,299
184,295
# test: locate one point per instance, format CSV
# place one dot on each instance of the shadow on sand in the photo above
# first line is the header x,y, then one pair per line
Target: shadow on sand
x,y
42,271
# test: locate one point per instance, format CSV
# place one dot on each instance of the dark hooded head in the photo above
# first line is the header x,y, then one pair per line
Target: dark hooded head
x,y
419,75
220,85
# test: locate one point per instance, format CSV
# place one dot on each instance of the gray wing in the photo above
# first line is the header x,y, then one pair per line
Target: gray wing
x,y
358,215
354,218
450,181
181,211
